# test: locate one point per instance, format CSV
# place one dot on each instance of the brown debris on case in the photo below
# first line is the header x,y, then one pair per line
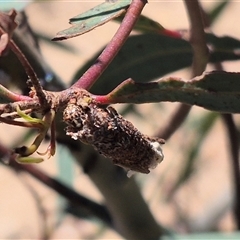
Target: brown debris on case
x,y
111,135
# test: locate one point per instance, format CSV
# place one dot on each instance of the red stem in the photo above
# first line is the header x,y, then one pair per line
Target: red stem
x,y
12,96
108,54
102,99
29,70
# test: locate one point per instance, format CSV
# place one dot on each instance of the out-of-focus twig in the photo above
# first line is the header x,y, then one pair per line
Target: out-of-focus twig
x,y
76,199
175,121
197,37
7,25
25,63
73,197
30,72
200,59
132,217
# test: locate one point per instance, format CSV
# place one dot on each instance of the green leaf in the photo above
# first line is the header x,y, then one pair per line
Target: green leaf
x,y
61,45
147,25
150,56
143,58
93,18
217,10
223,48
216,91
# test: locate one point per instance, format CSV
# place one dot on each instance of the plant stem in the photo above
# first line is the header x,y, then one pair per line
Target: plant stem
x,y
29,70
73,197
122,196
4,92
23,105
175,121
197,37
108,54
200,59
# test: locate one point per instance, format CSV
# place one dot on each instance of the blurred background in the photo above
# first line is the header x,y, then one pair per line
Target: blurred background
x,y
191,191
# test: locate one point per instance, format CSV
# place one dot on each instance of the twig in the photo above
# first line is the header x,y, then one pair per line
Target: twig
x,y
73,197
122,196
108,54
29,70
175,121
40,207
197,37
234,146
200,59
23,105
12,96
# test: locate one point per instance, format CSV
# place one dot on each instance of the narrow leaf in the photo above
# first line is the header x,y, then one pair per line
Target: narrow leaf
x,y
223,48
148,57
216,91
93,18
147,25
143,58
202,128
217,10
61,45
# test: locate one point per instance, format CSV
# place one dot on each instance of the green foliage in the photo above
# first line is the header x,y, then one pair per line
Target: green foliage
x,y
217,10
93,18
202,127
149,56
216,91
137,58
145,25
224,48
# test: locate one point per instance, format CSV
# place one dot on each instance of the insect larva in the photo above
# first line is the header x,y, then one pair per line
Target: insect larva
x,y
112,135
